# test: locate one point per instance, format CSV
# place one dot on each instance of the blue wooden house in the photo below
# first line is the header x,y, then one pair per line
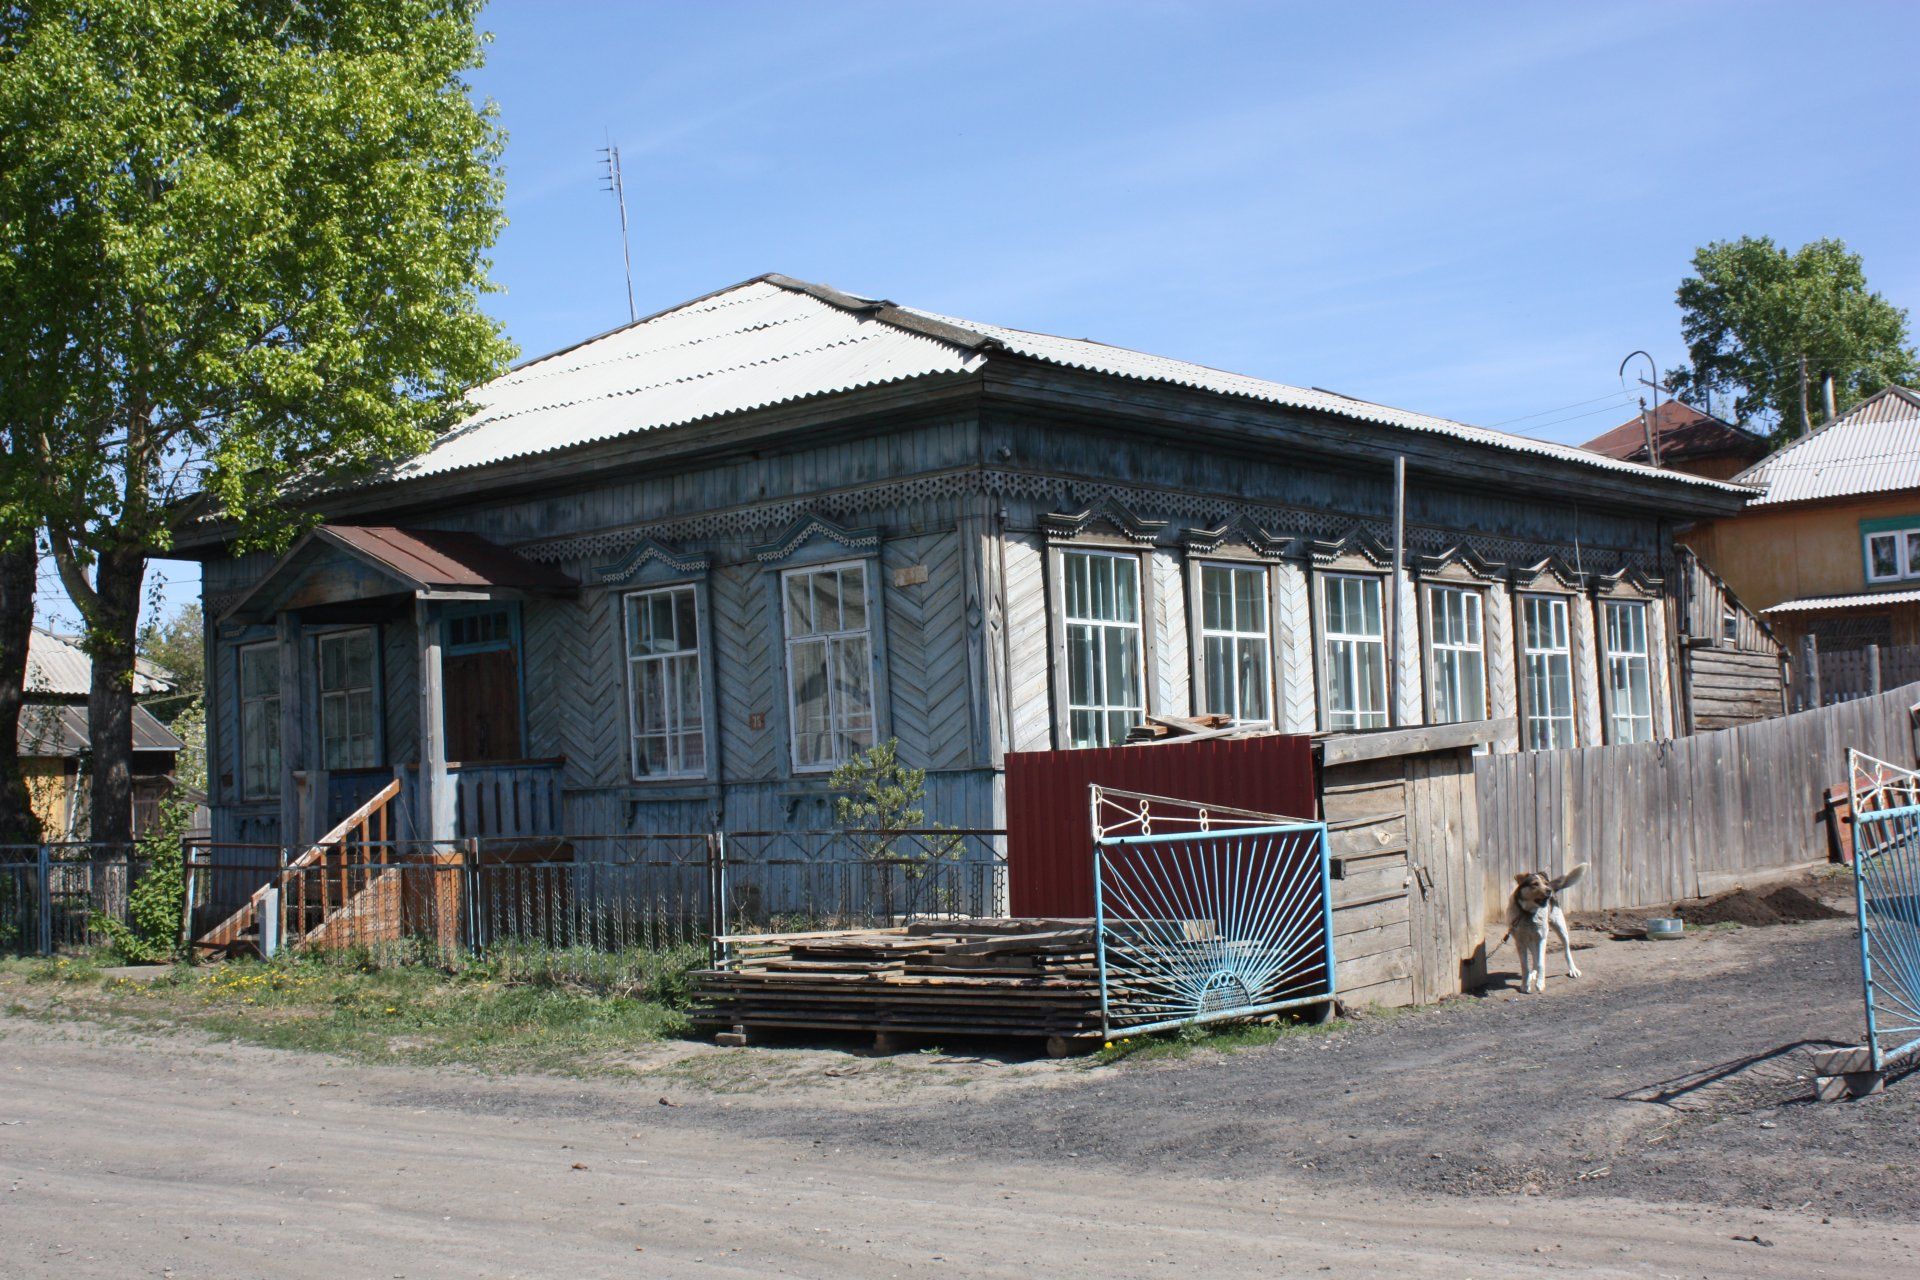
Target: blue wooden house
x,y
668,578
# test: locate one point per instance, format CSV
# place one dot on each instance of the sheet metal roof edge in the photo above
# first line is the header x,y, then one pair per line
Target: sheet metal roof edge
x,y
1850,600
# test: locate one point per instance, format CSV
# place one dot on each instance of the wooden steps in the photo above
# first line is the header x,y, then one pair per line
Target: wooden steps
x,y
971,977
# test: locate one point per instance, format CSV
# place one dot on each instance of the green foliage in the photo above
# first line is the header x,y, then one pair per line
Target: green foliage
x,y
175,644
246,241
151,933
1752,309
880,799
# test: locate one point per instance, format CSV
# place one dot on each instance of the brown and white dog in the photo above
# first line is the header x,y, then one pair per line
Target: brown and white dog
x,y
1535,908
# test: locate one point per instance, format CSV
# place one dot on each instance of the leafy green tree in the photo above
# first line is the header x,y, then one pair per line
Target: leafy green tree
x,y
880,799
151,933
1752,309
176,644
242,247
19,562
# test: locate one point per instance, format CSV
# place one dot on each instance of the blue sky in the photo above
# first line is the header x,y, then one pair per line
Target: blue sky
x,y
1474,211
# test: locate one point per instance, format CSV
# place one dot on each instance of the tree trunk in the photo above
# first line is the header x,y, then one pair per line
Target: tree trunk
x,y
18,823
110,638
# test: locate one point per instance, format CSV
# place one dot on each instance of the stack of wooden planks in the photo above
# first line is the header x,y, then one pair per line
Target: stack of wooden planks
x,y
966,977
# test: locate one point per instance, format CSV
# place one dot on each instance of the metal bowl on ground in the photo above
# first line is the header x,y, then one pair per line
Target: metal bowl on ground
x,y
1665,928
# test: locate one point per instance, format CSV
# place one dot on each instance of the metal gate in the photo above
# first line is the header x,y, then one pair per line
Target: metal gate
x,y
1886,884
1204,913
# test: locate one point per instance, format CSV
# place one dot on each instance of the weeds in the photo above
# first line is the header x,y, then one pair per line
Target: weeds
x,y
1224,1037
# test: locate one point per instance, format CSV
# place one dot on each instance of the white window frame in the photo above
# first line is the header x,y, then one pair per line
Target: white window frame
x,y
269,700
1906,553
844,728
1236,639
1530,711
1107,708
1623,723
1473,652
1343,648
677,729
344,696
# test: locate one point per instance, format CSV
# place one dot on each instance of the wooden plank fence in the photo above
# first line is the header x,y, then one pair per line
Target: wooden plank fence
x,y
1824,677
1679,818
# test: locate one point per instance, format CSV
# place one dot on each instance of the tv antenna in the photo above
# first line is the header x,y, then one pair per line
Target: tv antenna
x,y
610,158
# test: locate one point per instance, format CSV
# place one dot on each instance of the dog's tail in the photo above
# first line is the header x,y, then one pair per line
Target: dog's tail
x,y
1570,879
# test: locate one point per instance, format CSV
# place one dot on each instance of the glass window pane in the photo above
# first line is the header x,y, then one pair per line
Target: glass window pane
x,y
1883,556
826,601
1215,598
799,605
853,599
1250,599
1253,683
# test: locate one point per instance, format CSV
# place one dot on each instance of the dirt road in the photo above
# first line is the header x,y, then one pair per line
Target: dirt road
x,y
1645,1122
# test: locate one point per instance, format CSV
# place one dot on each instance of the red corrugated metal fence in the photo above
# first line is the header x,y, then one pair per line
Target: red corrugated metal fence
x,y
1049,837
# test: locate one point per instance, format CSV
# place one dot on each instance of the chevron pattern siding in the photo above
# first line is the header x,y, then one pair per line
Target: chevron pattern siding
x,y
1586,664
1294,621
927,651
400,691
1173,673
1662,676
1027,643
576,690
1406,668
748,670
1503,689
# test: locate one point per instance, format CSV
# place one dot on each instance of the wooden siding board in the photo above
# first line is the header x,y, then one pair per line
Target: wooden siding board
x,y
927,652
1027,630
1295,641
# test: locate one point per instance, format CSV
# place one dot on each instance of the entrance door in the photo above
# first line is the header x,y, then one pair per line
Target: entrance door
x,y
481,683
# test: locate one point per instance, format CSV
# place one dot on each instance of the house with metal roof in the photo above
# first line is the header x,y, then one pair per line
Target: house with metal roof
x,y
669,578
54,743
1830,548
1676,435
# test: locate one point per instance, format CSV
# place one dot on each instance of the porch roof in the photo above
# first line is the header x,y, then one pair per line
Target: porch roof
x,y
429,563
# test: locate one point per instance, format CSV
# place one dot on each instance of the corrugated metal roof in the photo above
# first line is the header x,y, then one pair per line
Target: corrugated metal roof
x,y
1859,600
59,668
773,339
1872,448
1681,431
57,729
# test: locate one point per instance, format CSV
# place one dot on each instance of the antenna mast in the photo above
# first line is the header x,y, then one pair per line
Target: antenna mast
x,y
611,154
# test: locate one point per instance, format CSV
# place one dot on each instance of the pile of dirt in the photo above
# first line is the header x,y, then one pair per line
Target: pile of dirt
x,y
1784,905
1754,908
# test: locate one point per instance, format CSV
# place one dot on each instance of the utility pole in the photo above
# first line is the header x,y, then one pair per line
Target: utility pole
x,y
611,152
1647,416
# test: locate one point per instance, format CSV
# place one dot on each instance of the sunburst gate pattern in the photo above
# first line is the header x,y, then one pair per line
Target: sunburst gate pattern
x,y
1886,867
1199,926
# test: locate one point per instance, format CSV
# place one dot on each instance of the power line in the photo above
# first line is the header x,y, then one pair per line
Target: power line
x,y
1611,395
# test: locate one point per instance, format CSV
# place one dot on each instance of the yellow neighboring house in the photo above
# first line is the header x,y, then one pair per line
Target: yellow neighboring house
x,y
1831,548
54,747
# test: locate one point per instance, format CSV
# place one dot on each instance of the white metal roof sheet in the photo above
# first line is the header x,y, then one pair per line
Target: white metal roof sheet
x,y
1858,600
59,668
1873,448
773,340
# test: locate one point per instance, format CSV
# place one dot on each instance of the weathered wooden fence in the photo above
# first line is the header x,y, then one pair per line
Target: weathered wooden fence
x,y
1665,820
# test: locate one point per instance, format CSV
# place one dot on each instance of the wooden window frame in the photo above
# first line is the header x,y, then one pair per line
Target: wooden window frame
x,y
1524,700
1062,624
1429,650
702,676
1608,710
1323,656
374,688
272,791
873,602
1199,632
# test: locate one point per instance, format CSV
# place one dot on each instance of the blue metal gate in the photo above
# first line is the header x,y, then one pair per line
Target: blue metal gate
x,y
1217,914
1886,866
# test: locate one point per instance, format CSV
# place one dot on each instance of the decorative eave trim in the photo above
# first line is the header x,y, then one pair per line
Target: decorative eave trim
x,y
810,526
1465,557
1354,543
1063,526
650,551
1629,580
1551,567
1263,542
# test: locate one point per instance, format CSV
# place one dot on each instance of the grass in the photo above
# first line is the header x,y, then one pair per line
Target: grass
x,y
1228,1037
403,1014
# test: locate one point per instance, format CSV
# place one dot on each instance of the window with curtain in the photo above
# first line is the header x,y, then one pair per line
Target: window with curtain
x,y
1629,671
1106,692
829,663
1546,647
1354,638
665,699
259,721
1456,655
1236,645
349,715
